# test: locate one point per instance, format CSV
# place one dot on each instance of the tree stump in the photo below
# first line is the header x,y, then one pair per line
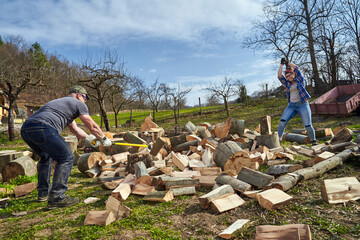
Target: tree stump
x,y
24,166
268,140
89,160
229,156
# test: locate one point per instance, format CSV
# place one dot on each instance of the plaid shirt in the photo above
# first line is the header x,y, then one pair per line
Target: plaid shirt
x,y
304,95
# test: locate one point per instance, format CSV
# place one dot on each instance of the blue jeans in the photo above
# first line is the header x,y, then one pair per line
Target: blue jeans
x,y
305,113
50,146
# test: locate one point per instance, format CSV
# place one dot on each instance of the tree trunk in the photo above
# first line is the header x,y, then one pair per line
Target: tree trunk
x,y
104,115
116,119
11,121
226,107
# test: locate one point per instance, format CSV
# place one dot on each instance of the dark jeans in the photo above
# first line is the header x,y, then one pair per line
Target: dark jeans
x,y
50,146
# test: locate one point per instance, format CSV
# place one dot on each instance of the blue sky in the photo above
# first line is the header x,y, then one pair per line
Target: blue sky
x,y
191,43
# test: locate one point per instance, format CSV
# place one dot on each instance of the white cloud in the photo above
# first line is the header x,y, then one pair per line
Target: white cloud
x,y
152,70
84,21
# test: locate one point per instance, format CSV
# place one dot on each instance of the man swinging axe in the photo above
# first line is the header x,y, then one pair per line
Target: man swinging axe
x,y
41,131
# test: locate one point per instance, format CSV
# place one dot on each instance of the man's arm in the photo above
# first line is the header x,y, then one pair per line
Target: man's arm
x,y
74,128
92,125
280,70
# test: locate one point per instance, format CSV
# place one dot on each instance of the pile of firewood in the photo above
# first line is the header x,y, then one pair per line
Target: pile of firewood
x,y
224,158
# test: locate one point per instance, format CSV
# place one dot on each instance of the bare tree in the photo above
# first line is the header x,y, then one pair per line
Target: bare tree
x,y
154,94
240,91
140,92
20,67
224,90
176,98
212,100
99,77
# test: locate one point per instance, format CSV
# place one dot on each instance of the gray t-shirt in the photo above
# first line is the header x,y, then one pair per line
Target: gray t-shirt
x,y
59,113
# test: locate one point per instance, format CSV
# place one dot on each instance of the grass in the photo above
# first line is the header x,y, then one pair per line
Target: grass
x,y
183,218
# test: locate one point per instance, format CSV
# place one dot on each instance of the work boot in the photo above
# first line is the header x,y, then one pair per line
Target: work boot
x,y
62,202
314,143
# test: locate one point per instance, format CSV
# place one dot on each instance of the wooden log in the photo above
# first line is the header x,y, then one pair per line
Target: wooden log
x,y
229,156
221,130
344,135
140,169
268,140
336,147
161,196
195,156
251,194
207,157
276,162
299,138
233,182
122,192
205,134
323,156
148,124
178,140
283,155
24,166
179,160
235,228
184,191
142,189
208,171
7,156
227,203
160,142
93,172
237,126
101,218
132,138
137,157
90,160
196,164
265,125
255,178
284,232
222,191
289,180
258,157
182,183
206,181
24,189
185,146
119,209
283,168
111,185
205,124
273,198
340,190
185,174
190,127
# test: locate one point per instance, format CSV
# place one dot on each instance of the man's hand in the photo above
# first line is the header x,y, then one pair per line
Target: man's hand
x,y
105,142
284,61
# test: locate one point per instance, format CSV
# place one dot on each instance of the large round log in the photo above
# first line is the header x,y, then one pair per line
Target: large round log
x,y
89,160
229,156
237,126
299,138
24,166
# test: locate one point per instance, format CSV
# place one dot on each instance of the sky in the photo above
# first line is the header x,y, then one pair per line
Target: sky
x,y
184,43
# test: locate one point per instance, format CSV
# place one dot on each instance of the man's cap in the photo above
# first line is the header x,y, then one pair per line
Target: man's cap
x,y
78,89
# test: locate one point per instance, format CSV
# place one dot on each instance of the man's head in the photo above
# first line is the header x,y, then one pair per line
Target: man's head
x,y
79,92
289,74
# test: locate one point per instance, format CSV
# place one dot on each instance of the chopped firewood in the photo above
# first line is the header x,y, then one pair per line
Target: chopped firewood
x,y
119,209
190,127
182,183
206,181
254,165
181,161
145,179
106,174
265,125
191,137
184,191
137,157
338,147
288,150
344,135
133,138
195,156
276,162
298,138
205,124
196,163
91,200
222,191
273,198
24,189
209,171
249,135
255,178
122,192
221,130
111,185
323,156
269,156
148,124
229,155
207,157
235,228
161,196
160,142
251,194
269,140
140,169
236,184
120,157
159,163
276,149
24,166
154,171
227,203
176,140
284,232
142,189
260,149
282,155
340,190
283,168
163,179
101,218
185,146
306,151
185,174
258,157
120,172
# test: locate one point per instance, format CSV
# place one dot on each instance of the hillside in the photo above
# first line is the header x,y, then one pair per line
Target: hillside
x,y
183,218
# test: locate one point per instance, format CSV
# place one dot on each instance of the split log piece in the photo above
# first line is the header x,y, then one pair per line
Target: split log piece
x,y
101,218
160,142
184,191
89,160
227,203
140,169
235,228
283,168
255,178
340,190
268,140
265,125
119,209
233,182
160,196
273,198
222,191
284,232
